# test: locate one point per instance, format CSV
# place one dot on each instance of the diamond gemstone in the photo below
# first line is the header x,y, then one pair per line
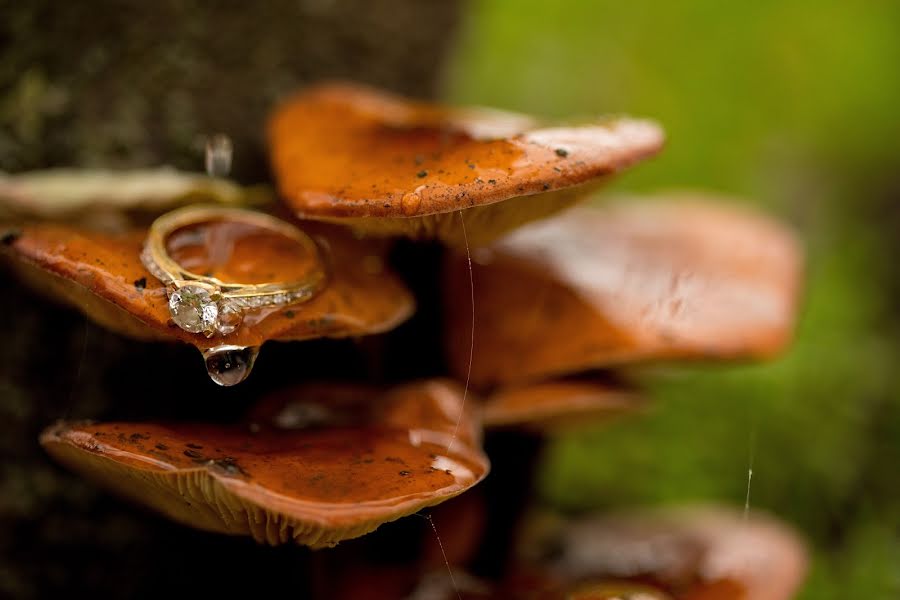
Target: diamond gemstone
x,y
230,316
193,309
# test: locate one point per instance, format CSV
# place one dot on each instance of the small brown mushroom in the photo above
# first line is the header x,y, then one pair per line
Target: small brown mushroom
x,y
391,166
555,405
634,281
113,199
316,484
615,590
694,553
102,275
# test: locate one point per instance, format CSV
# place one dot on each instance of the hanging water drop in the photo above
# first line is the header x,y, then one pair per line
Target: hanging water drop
x,y
229,365
218,155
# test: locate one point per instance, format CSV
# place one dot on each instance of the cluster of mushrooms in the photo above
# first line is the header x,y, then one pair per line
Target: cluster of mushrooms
x,y
538,301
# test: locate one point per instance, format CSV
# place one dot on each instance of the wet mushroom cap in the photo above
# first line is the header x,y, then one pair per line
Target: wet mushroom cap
x,y
102,275
554,405
392,166
673,279
704,552
315,485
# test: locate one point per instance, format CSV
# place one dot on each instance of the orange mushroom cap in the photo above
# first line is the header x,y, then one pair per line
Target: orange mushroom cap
x,y
392,166
634,281
316,484
102,275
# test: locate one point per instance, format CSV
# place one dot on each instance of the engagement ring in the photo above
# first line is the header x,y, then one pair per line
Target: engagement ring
x,y
204,304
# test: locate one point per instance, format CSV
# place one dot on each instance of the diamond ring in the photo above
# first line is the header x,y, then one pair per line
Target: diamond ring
x,y
204,304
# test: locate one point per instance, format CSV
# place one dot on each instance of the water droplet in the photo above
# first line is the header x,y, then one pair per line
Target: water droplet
x,y
218,155
229,365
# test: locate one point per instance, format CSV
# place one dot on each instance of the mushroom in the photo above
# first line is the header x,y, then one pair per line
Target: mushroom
x,y
634,281
108,198
557,404
102,275
314,484
536,583
615,590
690,552
390,166
554,302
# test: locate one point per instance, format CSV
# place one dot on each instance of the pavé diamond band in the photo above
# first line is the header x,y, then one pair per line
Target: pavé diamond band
x,y
203,304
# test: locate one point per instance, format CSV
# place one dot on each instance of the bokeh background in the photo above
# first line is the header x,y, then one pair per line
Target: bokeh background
x,y
791,105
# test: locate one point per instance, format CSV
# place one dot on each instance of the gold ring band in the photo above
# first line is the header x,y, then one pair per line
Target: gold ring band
x,y
203,304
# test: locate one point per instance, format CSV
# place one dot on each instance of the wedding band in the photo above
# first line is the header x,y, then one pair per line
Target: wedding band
x,y
203,304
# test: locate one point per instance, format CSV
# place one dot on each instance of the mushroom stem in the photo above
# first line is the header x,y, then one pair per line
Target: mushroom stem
x,y
507,491
419,265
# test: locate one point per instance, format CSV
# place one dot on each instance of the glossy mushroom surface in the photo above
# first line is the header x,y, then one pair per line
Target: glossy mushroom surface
x,y
672,279
368,463
101,274
391,166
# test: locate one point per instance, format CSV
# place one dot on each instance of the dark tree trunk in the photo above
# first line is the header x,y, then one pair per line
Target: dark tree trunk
x,y
116,84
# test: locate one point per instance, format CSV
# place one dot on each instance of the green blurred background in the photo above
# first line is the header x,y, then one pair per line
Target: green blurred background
x,y
792,105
